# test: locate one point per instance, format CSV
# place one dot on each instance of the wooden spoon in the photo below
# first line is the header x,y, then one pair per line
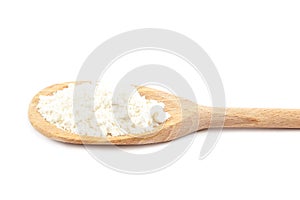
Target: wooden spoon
x,y
186,117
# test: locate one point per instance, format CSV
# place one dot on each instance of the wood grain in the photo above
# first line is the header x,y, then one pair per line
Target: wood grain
x,y
186,117
262,118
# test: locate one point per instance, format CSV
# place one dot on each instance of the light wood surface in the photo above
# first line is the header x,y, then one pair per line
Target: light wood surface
x,y
186,117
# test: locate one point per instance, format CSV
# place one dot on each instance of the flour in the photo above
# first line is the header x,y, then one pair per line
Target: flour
x,y
98,113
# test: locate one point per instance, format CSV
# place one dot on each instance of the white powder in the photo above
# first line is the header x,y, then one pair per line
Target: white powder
x,y
101,116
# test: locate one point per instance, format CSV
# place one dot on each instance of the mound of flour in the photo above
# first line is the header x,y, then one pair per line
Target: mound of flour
x,y
98,113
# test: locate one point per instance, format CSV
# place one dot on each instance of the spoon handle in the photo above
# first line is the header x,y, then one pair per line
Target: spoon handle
x,y
262,118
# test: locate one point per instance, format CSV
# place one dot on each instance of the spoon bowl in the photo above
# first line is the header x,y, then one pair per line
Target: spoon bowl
x,y
176,126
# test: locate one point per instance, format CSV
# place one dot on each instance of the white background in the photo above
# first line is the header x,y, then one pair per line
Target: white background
x,y
255,46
